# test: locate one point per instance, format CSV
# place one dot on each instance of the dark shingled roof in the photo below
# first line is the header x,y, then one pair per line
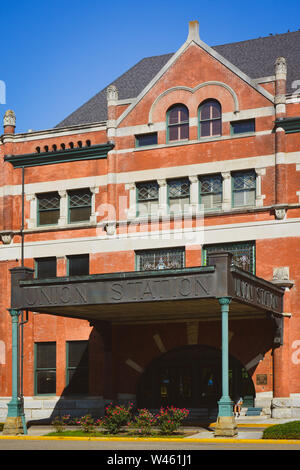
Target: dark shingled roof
x,y
255,57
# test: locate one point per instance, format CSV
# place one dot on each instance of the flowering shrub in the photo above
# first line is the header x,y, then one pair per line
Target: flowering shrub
x,y
60,422
143,422
115,417
87,423
169,419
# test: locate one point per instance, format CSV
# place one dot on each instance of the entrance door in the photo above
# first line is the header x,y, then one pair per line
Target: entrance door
x,y
175,386
191,377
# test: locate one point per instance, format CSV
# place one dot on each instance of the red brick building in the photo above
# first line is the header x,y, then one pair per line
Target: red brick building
x,y
183,155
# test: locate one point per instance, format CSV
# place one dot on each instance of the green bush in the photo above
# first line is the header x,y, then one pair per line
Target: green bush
x,y
143,422
115,418
87,424
290,430
60,422
169,419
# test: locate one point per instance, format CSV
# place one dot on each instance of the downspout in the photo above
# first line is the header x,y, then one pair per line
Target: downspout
x,y
22,322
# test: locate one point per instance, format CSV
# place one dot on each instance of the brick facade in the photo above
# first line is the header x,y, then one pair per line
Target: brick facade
x,y
194,74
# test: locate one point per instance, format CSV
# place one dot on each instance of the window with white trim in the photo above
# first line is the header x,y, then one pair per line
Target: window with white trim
x,y
243,188
80,205
210,191
178,194
147,198
48,208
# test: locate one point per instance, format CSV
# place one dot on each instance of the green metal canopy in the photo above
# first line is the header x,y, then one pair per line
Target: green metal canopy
x,y
92,152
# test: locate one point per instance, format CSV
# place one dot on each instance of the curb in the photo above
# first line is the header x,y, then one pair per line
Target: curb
x,y
141,439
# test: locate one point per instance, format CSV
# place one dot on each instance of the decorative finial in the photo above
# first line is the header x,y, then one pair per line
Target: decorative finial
x,y
280,67
9,118
193,31
112,93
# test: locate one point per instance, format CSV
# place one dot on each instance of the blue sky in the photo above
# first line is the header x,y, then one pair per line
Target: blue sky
x,y
56,55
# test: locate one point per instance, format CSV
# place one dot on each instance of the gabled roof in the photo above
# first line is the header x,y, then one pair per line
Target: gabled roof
x,y
254,57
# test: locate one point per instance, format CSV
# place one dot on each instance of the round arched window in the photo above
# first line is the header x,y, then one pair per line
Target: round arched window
x,y
178,123
210,118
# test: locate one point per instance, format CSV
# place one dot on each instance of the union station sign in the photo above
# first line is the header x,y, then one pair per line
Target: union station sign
x,y
161,289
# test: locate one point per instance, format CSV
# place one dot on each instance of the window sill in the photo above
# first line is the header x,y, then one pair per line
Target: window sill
x,y
201,140
57,227
163,217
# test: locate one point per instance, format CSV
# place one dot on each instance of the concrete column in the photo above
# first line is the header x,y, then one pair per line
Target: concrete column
x,y
163,197
94,190
259,196
226,425
63,208
226,197
280,113
194,193
32,221
131,213
112,96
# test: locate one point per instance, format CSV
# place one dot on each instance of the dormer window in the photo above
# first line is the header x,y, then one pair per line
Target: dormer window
x,y
177,123
210,119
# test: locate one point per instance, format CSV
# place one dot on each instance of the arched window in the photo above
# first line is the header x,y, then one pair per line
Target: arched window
x,y
210,118
177,123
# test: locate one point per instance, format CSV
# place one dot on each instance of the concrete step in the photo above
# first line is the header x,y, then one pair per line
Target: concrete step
x,y
252,411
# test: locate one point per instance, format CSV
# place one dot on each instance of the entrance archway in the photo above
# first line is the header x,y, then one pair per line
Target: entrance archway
x,y
191,377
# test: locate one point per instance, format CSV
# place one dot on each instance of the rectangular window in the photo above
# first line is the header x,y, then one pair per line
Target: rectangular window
x,y
143,140
147,198
153,260
45,267
77,379
243,127
179,194
243,254
45,368
244,188
210,187
80,205
78,265
48,207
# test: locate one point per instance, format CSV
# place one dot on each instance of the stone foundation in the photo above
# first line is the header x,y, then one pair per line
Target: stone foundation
x,y
44,409
226,427
286,407
13,426
264,400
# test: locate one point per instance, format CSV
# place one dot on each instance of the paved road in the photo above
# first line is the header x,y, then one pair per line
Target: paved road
x,y
15,444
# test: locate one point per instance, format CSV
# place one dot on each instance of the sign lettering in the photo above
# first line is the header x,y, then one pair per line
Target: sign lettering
x,y
157,289
254,294
56,295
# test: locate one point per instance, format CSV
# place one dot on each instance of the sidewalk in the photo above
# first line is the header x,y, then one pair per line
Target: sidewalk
x,y
249,428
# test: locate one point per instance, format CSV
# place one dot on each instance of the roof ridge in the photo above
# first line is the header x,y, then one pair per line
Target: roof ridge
x,y
253,64
271,35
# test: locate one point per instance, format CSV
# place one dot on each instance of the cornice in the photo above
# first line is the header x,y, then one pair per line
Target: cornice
x,y
53,132
60,156
289,124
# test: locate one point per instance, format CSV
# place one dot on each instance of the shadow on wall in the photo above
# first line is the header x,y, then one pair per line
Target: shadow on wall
x,y
75,400
187,377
